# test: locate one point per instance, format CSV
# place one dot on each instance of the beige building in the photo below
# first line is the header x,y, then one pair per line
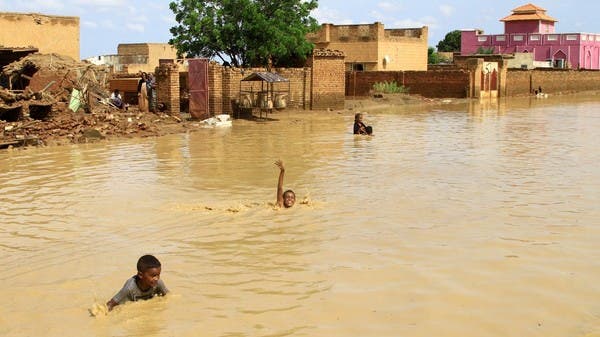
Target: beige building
x,y
136,57
370,47
49,34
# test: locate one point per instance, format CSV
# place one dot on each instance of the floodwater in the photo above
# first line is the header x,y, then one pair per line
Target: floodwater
x,y
476,219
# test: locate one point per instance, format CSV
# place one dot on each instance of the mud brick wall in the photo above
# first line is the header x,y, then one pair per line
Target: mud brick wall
x,y
168,91
523,82
50,34
300,79
320,86
129,49
433,84
328,81
215,85
230,88
224,84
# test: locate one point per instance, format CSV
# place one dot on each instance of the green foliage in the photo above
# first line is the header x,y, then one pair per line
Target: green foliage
x,y
450,43
244,32
486,51
390,88
434,57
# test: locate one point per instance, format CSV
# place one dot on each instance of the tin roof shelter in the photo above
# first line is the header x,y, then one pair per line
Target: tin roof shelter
x,y
265,91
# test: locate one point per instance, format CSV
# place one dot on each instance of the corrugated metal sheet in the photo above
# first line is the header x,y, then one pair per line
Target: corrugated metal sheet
x,y
198,84
265,76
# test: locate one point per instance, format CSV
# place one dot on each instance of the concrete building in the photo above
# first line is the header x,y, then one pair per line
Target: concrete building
x,y
530,30
46,33
370,47
135,57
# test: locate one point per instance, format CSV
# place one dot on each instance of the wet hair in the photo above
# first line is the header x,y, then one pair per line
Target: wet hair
x,y
289,191
357,116
146,262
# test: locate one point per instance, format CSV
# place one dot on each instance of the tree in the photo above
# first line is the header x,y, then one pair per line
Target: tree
x,y
450,43
432,56
244,32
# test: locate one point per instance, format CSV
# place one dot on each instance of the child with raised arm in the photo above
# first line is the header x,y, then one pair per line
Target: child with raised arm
x,y
284,199
142,286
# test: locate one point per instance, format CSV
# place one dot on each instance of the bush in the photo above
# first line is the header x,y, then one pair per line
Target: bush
x,y
390,88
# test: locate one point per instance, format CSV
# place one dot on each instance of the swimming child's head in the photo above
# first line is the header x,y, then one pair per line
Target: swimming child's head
x,y
289,198
148,268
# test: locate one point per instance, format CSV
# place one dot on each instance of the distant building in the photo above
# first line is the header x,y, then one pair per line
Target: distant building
x,y
135,57
46,33
373,48
530,30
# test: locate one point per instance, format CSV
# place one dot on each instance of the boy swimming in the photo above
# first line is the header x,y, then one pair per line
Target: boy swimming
x,y
284,199
142,286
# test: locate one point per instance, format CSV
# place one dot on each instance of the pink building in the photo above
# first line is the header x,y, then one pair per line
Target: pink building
x,y
530,30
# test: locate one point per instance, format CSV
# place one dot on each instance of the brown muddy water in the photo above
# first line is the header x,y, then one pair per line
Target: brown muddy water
x,y
476,219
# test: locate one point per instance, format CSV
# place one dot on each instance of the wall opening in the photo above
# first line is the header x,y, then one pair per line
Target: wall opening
x,y
11,114
358,67
39,111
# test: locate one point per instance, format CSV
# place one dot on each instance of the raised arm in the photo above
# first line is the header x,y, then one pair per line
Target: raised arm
x,y
279,163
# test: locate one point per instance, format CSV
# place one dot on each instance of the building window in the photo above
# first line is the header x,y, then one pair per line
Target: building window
x,y
552,37
534,37
572,37
358,67
482,38
500,38
518,38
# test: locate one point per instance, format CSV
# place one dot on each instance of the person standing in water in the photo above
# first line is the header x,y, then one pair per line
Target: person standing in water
x,y
359,127
284,199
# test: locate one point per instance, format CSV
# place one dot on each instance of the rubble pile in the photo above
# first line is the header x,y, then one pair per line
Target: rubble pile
x,y
67,127
36,105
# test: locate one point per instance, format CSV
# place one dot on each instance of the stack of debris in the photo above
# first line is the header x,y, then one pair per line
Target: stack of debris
x,y
53,99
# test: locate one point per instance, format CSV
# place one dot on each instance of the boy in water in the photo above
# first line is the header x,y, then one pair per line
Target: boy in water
x,y
142,286
284,199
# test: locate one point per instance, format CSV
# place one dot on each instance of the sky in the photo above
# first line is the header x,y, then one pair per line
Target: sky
x,y
105,24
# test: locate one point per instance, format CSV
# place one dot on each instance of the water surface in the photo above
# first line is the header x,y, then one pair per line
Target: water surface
x,y
477,219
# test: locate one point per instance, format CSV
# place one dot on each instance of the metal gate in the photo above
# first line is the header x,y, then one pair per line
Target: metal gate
x,y
198,85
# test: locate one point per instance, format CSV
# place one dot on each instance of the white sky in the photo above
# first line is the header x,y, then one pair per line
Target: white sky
x,y
106,23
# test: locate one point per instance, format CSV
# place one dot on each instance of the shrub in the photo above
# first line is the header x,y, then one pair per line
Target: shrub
x,y
390,88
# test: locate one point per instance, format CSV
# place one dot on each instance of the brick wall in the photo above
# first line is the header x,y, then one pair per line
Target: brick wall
x,y
50,34
523,82
328,81
124,49
319,87
299,86
215,85
168,93
449,83
225,82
